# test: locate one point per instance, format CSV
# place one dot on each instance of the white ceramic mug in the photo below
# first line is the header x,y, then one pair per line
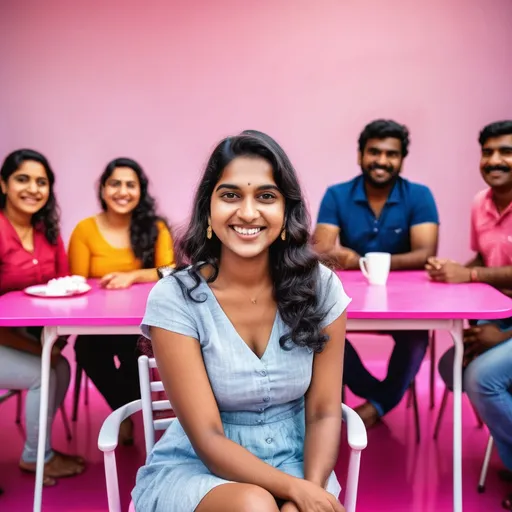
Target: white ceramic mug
x,y
375,267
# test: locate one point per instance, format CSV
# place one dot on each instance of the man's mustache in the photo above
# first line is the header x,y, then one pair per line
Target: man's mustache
x,y
502,168
388,168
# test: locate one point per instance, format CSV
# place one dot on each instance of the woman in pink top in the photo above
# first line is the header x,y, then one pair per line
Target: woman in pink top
x,y
32,252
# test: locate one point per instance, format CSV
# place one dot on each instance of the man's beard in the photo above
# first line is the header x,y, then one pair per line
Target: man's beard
x,y
380,184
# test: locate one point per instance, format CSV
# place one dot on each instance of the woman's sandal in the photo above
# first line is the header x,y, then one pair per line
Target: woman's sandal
x,y
52,474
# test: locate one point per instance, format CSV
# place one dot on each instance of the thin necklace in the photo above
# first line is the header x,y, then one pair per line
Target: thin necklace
x,y
254,299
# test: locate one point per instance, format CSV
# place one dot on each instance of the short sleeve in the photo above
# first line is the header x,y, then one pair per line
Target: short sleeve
x,y
333,298
168,308
424,207
328,213
79,252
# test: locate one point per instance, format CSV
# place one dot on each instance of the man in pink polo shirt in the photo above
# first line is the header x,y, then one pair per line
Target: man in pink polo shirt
x,y
488,345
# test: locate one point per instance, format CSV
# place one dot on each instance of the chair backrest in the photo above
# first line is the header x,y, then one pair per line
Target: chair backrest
x,y
148,385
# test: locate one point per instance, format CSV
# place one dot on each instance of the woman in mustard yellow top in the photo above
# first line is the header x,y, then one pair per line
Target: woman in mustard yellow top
x,y
122,245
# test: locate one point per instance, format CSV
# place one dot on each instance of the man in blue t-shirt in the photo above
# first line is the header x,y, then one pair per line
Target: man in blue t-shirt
x,y
378,211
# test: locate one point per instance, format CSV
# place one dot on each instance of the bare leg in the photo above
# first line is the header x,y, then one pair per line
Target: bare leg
x,y
238,498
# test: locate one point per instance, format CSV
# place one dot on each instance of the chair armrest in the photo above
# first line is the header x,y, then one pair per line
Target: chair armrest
x,y
109,433
356,431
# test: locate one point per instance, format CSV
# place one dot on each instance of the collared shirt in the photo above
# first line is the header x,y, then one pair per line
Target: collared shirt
x,y
346,206
491,231
20,268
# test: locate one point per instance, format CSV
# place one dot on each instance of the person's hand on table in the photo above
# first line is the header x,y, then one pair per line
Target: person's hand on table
x,y
481,338
117,280
447,271
348,259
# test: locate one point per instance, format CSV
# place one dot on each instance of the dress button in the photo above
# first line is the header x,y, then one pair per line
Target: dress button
x,y
266,399
375,230
263,373
269,440
35,262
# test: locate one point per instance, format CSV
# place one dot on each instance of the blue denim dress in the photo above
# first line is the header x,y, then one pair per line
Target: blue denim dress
x,y
261,401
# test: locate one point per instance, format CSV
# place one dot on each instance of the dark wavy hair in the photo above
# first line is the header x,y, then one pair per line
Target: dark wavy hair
x,y
496,129
143,225
294,267
382,129
47,219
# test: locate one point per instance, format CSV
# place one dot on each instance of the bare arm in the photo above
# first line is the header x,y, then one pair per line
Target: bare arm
x,y
145,275
499,277
449,271
120,280
424,238
323,406
325,238
181,366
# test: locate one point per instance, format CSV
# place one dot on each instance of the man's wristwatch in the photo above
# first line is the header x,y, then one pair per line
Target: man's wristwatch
x,y
164,271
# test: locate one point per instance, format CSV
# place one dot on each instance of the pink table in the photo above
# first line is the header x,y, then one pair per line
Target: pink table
x,y
409,301
98,312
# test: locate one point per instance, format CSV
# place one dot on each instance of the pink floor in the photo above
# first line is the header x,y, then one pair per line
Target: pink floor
x,y
396,475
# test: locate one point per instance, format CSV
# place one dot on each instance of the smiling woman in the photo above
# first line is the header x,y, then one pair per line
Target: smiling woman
x,y
122,245
248,334
247,206
32,252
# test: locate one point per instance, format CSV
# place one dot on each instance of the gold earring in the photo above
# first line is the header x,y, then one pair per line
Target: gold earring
x,y
209,231
283,235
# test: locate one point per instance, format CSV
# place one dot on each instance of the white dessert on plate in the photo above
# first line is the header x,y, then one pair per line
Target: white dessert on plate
x,y
67,285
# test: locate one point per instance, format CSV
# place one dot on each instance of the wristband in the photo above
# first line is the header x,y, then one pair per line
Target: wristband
x,y
474,275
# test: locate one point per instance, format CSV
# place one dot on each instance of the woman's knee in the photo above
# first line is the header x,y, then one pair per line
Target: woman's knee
x,y
238,498
257,499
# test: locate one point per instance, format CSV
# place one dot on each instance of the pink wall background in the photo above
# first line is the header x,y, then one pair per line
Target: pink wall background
x,y
162,81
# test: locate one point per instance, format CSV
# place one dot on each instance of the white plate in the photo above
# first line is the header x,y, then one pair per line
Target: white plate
x,y
40,290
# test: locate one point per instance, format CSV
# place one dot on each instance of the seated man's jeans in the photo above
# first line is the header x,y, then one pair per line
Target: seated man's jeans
x,y
404,364
488,382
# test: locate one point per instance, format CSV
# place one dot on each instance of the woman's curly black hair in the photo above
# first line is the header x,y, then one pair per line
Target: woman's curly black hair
x,y
143,225
294,266
47,219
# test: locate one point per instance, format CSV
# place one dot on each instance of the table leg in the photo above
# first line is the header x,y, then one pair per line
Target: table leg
x,y
456,333
48,340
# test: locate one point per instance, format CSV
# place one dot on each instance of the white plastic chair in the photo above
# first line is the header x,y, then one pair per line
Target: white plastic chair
x,y
107,441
